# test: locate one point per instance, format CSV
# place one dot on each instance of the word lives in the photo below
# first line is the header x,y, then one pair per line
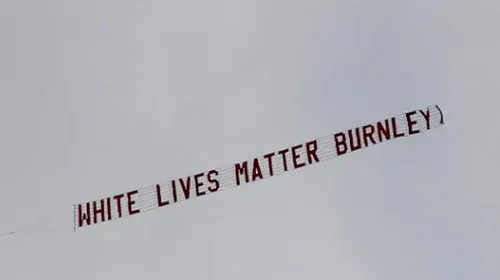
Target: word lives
x,y
185,188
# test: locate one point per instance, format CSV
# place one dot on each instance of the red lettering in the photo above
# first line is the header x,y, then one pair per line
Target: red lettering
x,y
108,200
311,149
441,119
174,190
131,203
368,131
411,123
296,156
98,211
186,187
118,199
215,187
256,171
353,146
269,158
84,216
283,155
240,170
340,143
198,184
158,197
427,117
395,129
383,131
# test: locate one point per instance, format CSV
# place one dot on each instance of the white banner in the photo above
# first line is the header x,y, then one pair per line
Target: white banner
x,y
262,167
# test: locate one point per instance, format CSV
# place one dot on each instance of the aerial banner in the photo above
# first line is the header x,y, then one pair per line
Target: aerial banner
x,y
273,163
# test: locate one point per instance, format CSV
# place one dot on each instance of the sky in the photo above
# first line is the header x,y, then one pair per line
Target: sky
x,y
101,97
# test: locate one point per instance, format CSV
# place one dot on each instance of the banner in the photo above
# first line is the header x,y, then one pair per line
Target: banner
x,y
207,182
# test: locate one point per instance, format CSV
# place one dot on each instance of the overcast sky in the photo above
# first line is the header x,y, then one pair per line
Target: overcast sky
x,y
101,97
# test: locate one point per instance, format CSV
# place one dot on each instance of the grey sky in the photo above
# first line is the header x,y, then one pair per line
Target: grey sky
x,y
98,98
